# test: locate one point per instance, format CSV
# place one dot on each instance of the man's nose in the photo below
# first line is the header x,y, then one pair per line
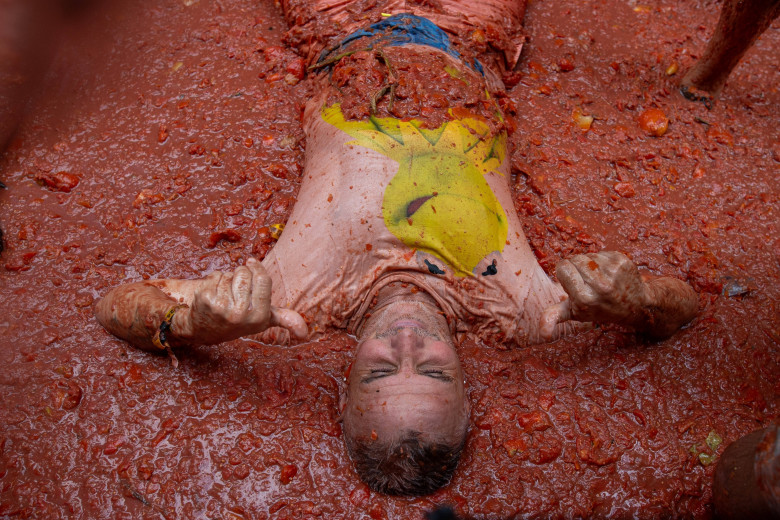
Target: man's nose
x,y
407,340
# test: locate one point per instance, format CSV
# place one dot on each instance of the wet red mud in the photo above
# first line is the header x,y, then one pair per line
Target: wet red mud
x,y
166,140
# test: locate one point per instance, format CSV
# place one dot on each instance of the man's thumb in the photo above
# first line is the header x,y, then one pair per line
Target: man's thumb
x,y
290,320
552,316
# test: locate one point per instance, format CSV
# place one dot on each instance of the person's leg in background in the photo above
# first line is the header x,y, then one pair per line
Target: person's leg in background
x,y
741,23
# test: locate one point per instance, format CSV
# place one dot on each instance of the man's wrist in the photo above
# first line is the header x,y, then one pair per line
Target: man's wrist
x,y
670,304
180,331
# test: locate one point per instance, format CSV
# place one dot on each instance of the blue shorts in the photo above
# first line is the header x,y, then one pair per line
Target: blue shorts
x,y
401,29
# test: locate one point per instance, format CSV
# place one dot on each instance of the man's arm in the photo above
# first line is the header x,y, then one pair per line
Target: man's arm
x,y
214,309
606,287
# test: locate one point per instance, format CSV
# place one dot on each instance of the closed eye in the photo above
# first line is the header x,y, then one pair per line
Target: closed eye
x,y
377,373
438,374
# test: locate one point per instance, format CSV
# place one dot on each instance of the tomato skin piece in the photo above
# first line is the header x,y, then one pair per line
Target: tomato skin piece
x,y
288,472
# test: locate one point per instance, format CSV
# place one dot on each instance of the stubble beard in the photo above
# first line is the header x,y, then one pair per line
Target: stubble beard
x,y
380,324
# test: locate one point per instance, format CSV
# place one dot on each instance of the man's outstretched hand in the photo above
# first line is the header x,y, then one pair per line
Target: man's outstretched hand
x,y
606,287
228,305
602,287
217,308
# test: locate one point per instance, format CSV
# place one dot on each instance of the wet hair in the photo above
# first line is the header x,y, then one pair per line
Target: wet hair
x,y
442,513
406,465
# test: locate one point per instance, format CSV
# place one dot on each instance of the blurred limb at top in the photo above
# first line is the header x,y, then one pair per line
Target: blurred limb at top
x,y
741,23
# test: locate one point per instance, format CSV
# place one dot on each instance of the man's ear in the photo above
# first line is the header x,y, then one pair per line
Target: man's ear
x,y
342,401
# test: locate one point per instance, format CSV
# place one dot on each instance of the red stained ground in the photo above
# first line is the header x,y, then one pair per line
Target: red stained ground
x,y
167,138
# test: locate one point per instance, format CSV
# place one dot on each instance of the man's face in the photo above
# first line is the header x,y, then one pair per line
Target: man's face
x,y
407,376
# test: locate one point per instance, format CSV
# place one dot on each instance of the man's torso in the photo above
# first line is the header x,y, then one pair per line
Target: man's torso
x,y
386,199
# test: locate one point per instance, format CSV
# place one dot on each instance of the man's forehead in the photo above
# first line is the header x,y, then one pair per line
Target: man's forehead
x,y
398,391
423,412
401,404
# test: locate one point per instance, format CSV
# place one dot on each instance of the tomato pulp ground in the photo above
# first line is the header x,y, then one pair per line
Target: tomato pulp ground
x,y
165,141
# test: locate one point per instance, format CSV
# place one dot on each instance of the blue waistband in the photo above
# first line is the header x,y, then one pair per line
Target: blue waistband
x,y
401,29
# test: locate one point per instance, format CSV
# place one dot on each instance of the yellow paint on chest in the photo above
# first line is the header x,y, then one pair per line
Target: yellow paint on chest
x,y
438,201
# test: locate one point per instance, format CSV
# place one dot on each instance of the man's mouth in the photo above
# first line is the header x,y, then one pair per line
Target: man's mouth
x,y
398,325
406,323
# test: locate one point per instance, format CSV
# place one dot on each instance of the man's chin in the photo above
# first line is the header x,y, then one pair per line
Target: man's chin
x,y
407,323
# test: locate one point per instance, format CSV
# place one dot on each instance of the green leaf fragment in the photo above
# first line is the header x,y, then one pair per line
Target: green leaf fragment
x,y
452,71
705,459
714,440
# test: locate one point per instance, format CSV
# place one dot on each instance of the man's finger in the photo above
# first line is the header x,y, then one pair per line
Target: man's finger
x,y
242,287
552,316
591,270
261,292
611,262
614,256
254,265
290,320
261,288
570,278
261,302
225,288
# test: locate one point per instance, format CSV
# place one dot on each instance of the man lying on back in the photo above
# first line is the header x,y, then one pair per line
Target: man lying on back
x,y
404,234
